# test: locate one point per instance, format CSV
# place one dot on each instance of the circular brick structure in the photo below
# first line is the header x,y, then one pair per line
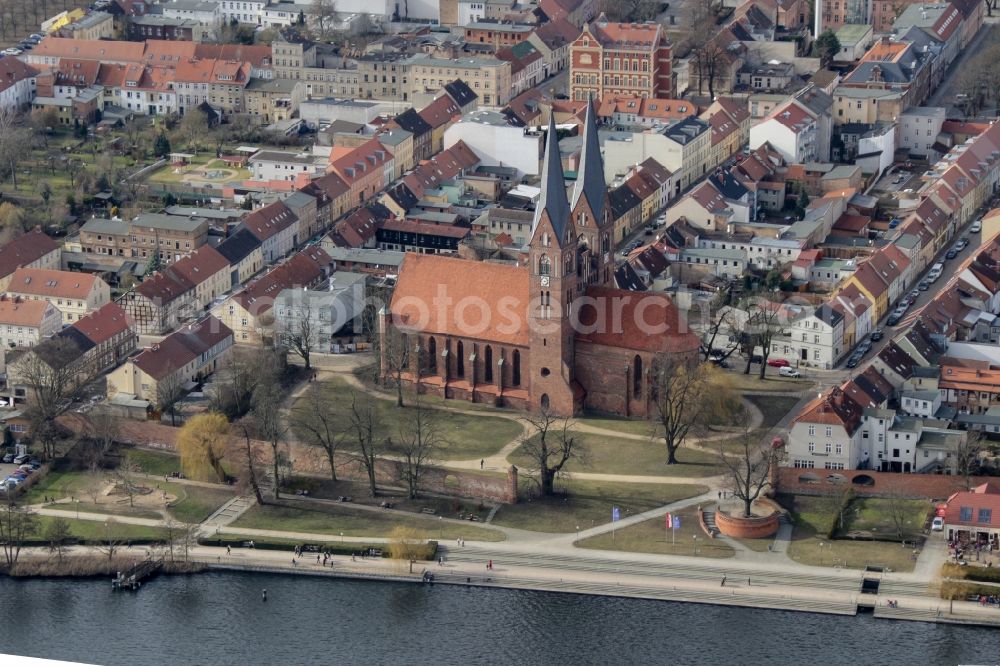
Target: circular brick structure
x,y
739,527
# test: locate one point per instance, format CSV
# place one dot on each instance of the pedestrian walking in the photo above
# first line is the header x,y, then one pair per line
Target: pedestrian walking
x,y
440,561
748,581
293,561
719,494
723,581
317,558
228,551
489,565
481,463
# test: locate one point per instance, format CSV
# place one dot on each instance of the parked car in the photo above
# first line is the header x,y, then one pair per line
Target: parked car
x,y
756,358
924,285
8,458
914,295
963,243
877,334
976,227
789,372
21,459
864,347
894,318
778,363
854,360
937,524
951,253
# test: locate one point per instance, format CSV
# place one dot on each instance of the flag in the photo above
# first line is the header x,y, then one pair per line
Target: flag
x,y
614,514
670,522
677,522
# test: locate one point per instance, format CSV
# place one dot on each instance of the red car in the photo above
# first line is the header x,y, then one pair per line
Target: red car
x,y
778,363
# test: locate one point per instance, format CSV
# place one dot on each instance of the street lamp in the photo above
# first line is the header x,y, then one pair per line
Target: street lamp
x,y
441,526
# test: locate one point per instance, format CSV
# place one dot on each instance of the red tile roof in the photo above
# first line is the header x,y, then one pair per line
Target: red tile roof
x,y
104,323
52,283
639,321
834,407
302,270
200,265
270,220
25,249
984,497
181,347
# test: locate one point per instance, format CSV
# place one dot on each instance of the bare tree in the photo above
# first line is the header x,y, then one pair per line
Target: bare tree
x,y
550,447
169,392
364,427
300,335
685,395
748,468
419,441
111,541
17,525
269,425
395,357
57,534
720,337
764,323
321,424
243,372
967,456
252,464
125,475
15,141
55,373
323,13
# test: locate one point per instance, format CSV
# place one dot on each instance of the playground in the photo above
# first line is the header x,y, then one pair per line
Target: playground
x,y
200,170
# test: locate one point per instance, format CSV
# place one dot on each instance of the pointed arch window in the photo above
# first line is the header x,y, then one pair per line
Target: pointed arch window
x,y
515,370
432,349
460,361
488,365
544,265
637,377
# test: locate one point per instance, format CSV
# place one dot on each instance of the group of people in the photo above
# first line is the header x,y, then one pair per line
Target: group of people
x,y
892,603
991,600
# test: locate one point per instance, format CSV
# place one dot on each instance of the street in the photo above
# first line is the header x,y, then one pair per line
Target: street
x,y
946,91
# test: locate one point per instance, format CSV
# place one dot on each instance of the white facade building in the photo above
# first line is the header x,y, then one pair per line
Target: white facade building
x,y
497,143
919,128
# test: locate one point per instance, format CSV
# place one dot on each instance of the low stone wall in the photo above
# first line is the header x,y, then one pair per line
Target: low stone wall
x,y
867,483
739,527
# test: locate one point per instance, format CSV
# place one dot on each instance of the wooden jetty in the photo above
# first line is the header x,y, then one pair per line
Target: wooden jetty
x,y
133,577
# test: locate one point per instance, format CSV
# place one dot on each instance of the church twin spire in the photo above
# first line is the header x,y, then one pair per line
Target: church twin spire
x,y
590,182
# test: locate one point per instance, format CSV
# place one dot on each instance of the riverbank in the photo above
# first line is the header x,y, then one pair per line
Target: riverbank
x,y
628,575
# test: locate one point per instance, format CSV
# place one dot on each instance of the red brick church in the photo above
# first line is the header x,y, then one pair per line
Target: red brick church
x,y
550,333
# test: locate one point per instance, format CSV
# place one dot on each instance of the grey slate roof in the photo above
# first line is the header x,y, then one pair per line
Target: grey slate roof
x,y
590,179
553,197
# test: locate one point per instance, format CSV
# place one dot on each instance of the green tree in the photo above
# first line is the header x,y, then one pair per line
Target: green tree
x,y
161,147
827,46
169,200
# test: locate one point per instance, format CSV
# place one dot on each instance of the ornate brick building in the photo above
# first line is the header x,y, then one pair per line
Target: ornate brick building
x,y
621,60
545,334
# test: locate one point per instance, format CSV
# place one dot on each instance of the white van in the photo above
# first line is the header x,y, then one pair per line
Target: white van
x,y
976,227
789,372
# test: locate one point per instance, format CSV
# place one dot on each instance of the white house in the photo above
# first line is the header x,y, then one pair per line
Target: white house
x,y
919,127
812,337
205,12
496,142
17,83
924,404
26,323
244,11
322,313
268,165
791,131
826,434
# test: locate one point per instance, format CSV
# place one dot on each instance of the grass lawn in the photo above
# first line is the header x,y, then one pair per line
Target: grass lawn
x,y
774,408
772,382
96,530
612,455
355,522
63,484
194,503
809,545
651,536
468,437
586,504
155,462
627,426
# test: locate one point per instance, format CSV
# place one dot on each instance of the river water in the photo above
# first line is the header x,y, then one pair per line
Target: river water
x,y
219,618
